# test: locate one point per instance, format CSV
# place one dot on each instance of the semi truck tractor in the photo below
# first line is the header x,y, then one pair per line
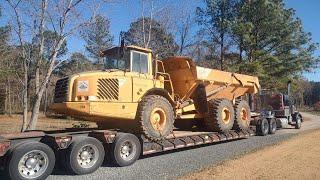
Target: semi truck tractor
x,y
279,111
137,93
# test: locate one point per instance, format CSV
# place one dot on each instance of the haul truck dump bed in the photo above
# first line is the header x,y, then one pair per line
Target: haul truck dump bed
x,y
186,76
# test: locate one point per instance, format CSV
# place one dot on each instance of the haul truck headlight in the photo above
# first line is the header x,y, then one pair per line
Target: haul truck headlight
x,y
92,98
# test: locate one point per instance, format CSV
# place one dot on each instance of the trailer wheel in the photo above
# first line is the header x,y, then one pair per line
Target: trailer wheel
x,y
85,155
220,115
156,117
262,127
272,126
126,149
31,160
242,115
298,122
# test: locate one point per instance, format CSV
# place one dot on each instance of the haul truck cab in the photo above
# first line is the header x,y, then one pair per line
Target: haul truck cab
x,y
111,97
140,94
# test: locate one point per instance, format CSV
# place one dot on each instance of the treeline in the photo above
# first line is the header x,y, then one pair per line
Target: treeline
x,y
257,37
312,95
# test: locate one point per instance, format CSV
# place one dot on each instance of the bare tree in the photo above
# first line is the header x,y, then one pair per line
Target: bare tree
x,y
64,20
146,33
44,5
61,17
23,54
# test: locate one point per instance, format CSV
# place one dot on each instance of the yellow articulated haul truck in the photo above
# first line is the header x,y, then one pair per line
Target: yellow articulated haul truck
x,y
138,93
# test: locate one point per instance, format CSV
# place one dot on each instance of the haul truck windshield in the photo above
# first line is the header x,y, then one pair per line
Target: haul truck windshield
x,y
128,60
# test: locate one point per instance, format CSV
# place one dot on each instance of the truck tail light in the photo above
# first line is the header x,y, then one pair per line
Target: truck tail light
x,y
4,146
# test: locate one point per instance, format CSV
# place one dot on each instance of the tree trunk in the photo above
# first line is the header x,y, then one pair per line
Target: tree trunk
x,y
46,100
35,109
25,96
6,100
37,79
240,50
41,47
9,99
221,50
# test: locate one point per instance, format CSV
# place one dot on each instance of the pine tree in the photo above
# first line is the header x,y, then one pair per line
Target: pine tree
x,y
271,42
97,37
160,41
216,20
77,62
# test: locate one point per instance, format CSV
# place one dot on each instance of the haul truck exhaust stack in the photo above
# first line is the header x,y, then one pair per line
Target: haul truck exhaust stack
x,y
136,93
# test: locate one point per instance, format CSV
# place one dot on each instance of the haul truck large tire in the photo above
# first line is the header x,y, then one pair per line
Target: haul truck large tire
x,y
220,115
156,117
242,115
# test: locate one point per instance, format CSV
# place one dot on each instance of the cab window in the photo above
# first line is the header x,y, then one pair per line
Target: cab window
x,y
139,62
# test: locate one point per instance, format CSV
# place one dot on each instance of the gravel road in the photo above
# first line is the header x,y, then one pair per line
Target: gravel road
x,y
176,163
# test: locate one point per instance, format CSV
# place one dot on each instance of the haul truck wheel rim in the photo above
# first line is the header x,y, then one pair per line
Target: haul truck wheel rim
x,y
226,115
88,156
158,118
33,164
244,115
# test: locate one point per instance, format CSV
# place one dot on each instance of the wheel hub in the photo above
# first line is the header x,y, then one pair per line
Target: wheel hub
x,y
85,155
226,115
158,118
126,150
88,156
33,164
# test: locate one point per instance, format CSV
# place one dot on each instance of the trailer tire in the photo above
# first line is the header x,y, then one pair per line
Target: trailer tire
x,y
39,158
242,115
220,115
85,155
272,126
156,117
262,127
126,149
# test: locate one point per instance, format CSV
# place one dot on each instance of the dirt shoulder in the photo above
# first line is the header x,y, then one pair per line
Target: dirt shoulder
x,y
12,124
297,158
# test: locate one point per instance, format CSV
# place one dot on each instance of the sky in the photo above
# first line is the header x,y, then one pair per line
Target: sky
x,y
309,12
122,12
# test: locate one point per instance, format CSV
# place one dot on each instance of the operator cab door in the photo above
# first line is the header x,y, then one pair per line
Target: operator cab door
x,y
142,79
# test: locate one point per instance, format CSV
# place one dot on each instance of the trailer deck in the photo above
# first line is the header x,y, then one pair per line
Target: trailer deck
x,y
114,144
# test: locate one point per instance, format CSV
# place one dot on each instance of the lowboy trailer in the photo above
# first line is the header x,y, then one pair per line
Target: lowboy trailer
x,y
33,155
